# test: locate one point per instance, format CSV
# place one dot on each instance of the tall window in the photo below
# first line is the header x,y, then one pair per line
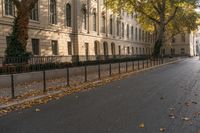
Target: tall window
x,y
111,25
127,31
68,15
183,37
140,34
53,14
122,29
132,50
103,24
96,48
132,34
119,48
9,8
84,17
54,46
136,34
94,21
69,47
118,24
35,47
128,50
34,13
105,48
113,48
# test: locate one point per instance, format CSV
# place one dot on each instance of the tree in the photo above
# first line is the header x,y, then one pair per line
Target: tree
x,y
15,48
163,17
24,8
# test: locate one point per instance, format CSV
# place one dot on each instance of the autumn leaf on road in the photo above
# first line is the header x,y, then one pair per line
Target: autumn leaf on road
x,y
162,129
141,125
37,110
171,116
186,119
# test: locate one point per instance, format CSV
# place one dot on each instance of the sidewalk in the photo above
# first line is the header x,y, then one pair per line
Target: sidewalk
x,y
29,94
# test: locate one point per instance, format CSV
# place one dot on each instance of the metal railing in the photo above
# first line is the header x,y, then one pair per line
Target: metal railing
x,y
12,65
99,71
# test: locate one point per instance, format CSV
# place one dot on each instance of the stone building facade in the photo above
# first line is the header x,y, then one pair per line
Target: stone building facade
x,y
82,27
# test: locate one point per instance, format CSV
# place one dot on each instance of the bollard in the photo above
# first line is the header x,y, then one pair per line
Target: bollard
x,y
119,68
126,66
99,71
143,64
110,71
12,86
68,84
85,73
44,81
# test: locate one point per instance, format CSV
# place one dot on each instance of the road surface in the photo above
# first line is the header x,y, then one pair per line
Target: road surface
x,y
166,98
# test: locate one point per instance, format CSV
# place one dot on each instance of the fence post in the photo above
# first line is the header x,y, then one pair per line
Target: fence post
x,y
143,64
138,64
68,76
99,71
119,68
12,86
85,73
110,69
133,65
44,81
126,66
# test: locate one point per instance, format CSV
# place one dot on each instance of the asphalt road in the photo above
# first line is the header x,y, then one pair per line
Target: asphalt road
x,y
121,106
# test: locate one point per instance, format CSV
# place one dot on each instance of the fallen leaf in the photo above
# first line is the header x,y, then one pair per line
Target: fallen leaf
x,y
171,109
37,110
187,103
161,98
171,116
141,125
194,102
162,129
185,118
197,113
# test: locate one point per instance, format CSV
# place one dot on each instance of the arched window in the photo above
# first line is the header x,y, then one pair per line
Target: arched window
x,y
9,8
53,14
96,48
105,48
113,48
68,15
94,21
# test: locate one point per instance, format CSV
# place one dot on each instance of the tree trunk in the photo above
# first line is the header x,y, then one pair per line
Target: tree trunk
x,y
22,24
159,40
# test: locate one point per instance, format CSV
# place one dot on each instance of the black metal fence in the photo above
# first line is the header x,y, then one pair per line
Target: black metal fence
x,y
21,65
101,69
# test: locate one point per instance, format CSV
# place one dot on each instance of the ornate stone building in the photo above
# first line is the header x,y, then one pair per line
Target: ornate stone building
x,y
80,27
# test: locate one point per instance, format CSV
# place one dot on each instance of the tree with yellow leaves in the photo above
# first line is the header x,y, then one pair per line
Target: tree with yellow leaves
x,y
163,17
